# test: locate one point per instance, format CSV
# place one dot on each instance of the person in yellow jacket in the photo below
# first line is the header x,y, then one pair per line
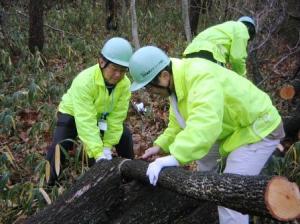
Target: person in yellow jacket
x,y
95,107
209,105
224,43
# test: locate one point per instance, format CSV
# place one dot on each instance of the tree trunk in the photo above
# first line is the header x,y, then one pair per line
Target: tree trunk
x,y
197,7
186,20
101,197
194,15
36,31
111,18
134,25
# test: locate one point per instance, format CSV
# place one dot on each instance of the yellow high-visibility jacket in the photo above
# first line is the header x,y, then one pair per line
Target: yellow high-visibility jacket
x,y
87,99
227,42
217,105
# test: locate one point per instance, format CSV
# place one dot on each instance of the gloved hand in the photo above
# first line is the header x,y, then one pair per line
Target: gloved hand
x,y
150,152
106,154
155,167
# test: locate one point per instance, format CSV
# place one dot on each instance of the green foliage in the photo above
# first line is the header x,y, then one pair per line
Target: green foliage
x,y
288,166
7,121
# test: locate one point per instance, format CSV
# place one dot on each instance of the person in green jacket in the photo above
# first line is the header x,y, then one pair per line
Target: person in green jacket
x,y
210,105
224,43
95,107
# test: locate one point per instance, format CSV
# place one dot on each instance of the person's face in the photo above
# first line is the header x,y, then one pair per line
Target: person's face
x,y
112,73
161,87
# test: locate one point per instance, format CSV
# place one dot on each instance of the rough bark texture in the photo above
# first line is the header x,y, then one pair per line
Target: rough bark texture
x,y
102,196
90,200
36,31
245,194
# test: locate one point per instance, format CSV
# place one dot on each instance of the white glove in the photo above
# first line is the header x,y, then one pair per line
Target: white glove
x,y
150,152
155,167
106,154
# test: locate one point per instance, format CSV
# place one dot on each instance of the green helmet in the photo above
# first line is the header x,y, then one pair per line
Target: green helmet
x,y
117,50
145,64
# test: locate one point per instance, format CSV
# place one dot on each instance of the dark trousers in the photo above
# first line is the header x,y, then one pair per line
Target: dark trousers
x,y
66,129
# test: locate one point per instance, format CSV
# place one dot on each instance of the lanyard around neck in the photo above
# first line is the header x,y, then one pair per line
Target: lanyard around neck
x,y
178,116
109,109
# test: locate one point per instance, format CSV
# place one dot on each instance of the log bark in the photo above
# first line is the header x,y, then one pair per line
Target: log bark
x,y
90,200
117,191
101,196
246,194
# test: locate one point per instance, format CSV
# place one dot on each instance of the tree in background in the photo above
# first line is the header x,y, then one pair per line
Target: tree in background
x,y
111,19
36,32
197,7
134,25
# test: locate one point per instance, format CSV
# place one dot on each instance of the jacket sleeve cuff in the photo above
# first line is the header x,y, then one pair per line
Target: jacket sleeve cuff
x,y
96,153
162,144
105,145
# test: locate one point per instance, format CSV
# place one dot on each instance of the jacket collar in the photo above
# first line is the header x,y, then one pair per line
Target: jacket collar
x,y
99,80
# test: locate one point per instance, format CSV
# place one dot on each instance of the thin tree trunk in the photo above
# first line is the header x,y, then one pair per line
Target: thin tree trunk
x,y
186,20
194,15
36,31
134,25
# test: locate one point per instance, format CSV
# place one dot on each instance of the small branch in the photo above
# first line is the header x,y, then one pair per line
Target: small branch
x,y
293,50
265,13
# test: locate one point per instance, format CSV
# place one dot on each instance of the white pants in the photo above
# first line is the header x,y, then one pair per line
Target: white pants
x,y
245,160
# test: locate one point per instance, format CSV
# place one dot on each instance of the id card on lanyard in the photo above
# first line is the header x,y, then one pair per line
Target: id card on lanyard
x,y
102,123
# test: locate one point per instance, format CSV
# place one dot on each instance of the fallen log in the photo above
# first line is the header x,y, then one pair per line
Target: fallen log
x,y
102,196
256,195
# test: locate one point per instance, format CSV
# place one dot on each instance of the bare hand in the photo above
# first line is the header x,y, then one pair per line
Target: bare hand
x,y
151,152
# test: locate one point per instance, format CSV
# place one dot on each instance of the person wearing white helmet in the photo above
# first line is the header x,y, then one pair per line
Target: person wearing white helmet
x,y
95,107
209,104
225,43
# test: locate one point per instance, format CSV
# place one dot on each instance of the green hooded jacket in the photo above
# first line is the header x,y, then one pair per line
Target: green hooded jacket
x,y
227,42
87,99
217,105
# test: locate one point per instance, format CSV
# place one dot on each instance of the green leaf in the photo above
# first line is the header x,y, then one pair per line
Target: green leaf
x,y
4,180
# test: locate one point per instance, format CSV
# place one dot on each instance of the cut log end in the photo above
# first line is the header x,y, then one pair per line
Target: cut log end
x,y
287,92
282,199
